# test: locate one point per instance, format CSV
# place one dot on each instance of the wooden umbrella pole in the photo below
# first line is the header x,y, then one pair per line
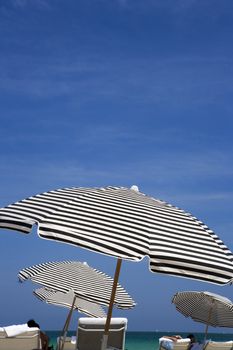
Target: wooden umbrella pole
x,y
66,325
110,308
206,330
209,316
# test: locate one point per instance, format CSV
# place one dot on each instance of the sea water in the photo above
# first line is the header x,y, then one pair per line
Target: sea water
x,y
148,340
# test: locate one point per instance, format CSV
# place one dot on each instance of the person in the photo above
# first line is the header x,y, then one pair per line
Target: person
x,y
177,337
194,344
192,338
43,337
172,337
167,341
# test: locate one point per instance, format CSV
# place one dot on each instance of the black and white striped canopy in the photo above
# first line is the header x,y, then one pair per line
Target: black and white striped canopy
x,y
205,307
86,282
66,300
127,224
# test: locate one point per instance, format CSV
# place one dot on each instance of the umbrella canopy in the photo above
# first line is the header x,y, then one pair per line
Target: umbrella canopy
x,y
127,224
86,282
205,307
66,300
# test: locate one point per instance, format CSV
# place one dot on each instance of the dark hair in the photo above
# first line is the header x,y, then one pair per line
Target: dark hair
x,y
191,336
32,323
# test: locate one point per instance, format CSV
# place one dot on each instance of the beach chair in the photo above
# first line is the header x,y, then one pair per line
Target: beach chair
x,y
69,344
219,345
168,344
29,340
90,332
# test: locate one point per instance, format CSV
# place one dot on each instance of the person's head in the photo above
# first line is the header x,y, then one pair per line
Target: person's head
x,y
192,338
32,323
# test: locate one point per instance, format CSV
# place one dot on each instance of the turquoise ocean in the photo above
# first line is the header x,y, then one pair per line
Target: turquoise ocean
x,y
149,340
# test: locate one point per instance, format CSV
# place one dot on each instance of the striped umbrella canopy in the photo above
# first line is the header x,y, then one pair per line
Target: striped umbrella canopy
x,y
127,224
54,297
86,282
205,307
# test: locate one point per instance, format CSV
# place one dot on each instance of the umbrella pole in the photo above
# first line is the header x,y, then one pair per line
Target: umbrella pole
x,y
208,321
206,331
66,325
110,308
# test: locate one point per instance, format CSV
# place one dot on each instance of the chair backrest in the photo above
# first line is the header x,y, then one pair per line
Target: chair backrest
x,y
90,332
25,341
218,345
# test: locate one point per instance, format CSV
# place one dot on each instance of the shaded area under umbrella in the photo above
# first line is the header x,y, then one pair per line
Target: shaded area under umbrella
x,y
126,224
205,307
70,301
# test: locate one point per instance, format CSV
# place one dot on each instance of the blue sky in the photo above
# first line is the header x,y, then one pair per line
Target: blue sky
x,y
115,92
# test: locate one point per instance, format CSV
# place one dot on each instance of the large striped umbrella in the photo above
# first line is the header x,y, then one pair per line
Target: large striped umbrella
x,y
205,307
126,224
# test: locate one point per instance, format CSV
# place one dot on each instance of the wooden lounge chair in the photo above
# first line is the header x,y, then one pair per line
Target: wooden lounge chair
x,y
29,340
90,332
218,345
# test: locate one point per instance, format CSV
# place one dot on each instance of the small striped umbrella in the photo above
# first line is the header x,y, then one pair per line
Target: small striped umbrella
x,y
205,307
85,281
126,224
54,297
79,279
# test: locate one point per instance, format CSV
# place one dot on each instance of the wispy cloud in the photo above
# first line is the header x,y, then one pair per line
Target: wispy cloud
x,y
181,80
174,6
203,197
41,4
190,170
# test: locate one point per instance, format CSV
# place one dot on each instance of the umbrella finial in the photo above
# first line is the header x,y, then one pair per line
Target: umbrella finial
x,y
134,188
